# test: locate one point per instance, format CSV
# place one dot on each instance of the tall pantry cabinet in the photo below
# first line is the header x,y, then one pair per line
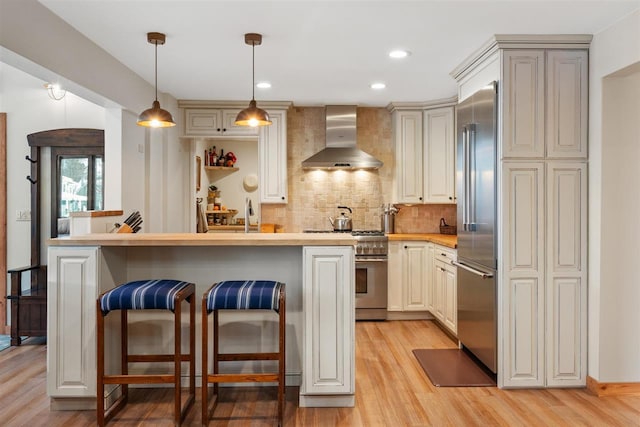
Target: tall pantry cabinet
x,y
542,203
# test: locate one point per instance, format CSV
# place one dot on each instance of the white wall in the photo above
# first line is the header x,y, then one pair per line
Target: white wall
x,y
29,109
613,349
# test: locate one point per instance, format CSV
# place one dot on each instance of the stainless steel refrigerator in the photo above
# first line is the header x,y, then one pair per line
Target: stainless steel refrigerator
x,y
476,192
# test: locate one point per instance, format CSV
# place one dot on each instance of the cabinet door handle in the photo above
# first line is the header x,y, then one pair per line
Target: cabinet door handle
x,y
405,247
443,254
282,197
218,129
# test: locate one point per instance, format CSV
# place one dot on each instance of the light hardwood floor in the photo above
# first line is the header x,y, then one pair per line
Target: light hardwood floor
x,y
391,390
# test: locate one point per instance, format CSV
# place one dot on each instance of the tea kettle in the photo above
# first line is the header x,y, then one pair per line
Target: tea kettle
x,y
343,222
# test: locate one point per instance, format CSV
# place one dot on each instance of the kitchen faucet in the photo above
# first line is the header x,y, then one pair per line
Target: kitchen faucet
x,y
248,211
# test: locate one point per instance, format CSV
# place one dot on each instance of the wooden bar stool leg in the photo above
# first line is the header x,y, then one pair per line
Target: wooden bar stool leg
x,y
177,332
100,367
124,354
192,345
281,361
216,351
205,364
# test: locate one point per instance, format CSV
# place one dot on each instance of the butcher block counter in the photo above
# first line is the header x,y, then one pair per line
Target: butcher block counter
x,y
318,270
448,240
207,239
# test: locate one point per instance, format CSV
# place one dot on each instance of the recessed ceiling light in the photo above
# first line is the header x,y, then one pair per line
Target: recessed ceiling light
x,y
378,86
398,54
263,85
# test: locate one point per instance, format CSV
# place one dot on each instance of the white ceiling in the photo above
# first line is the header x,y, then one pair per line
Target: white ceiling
x,y
318,52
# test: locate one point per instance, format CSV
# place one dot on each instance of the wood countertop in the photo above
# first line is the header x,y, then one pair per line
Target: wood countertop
x,y
206,239
448,240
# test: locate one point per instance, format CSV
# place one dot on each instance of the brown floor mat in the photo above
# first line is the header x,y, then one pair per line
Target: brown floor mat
x,y
452,368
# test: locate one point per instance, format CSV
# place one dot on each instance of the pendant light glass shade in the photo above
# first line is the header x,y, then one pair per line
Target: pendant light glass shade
x,y
156,117
252,115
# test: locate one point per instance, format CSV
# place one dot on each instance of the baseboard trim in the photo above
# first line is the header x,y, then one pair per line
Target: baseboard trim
x,y
409,315
327,401
612,389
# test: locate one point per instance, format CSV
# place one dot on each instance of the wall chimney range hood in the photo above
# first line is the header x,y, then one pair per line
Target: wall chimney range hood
x,y
340,151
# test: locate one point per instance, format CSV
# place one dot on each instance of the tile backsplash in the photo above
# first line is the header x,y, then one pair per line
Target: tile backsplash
x,y
314,195
424,218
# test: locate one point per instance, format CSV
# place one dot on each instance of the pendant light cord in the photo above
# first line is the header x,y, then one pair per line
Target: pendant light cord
x,y
156,44
253,71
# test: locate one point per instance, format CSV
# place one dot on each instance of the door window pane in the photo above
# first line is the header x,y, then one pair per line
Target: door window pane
x,y
74,178
80,186
97,182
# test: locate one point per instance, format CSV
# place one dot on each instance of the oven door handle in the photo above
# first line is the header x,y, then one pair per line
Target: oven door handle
x,y
371,260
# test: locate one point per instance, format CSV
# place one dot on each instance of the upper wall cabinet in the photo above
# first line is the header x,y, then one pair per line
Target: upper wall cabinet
x,y
407,127
567,103
439,156
215,122
425,152
273,159
544,97
523,103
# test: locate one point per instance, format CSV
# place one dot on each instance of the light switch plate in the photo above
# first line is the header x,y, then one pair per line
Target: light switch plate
x,y
23,215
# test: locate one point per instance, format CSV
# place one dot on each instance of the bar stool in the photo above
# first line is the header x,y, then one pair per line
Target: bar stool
x,y
146,295
241,295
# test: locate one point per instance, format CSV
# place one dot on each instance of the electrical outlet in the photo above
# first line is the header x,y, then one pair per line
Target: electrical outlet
x,y
23,215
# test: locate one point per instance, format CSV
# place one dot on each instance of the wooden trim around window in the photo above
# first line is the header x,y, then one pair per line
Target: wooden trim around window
x,y
612,389
4,328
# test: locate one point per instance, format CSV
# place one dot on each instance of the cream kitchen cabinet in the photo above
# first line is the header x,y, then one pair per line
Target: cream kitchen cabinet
x,y
395,277
212,122
445,305
415,270
566,273
407,128
425,147
544,276
75,280
272,155
409,275
544,97
72,294
542,176
329,318
439,156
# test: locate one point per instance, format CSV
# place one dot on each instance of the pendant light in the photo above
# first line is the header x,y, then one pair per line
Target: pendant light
x,y
252,115
156,117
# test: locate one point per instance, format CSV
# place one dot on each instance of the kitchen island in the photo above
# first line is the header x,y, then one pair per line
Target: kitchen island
x,y
318,270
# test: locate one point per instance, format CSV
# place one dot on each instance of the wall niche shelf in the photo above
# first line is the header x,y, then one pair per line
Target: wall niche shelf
x,y
221,171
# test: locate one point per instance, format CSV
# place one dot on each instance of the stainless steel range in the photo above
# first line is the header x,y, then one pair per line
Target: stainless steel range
x,y
371,273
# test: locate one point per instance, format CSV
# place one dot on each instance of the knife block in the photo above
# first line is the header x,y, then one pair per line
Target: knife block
x,y
124,228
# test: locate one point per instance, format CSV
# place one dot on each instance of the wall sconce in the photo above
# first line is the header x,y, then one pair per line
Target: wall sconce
x,y
54,91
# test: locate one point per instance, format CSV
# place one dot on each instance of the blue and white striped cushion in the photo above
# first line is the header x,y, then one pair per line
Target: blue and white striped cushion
x,y
244,295
142,294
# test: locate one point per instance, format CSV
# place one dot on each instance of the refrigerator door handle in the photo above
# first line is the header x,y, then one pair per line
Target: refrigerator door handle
x,y
473,270
466,178
471,173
